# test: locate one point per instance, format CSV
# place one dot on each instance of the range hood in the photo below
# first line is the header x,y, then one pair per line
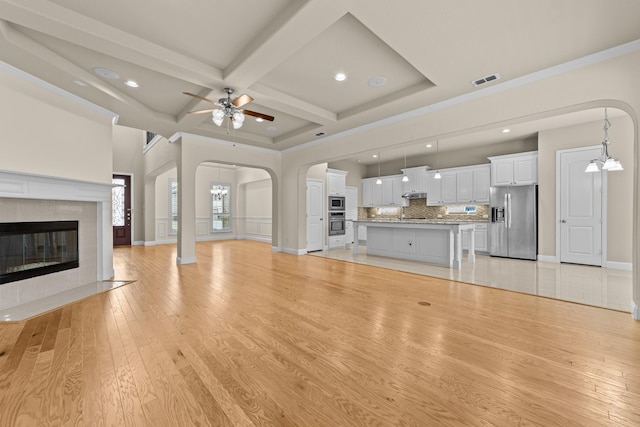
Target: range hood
x,y
415,195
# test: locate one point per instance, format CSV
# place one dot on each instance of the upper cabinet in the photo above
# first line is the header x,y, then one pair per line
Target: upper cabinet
x,y
337,182
417,180
389,193
458,185
514,169
468,184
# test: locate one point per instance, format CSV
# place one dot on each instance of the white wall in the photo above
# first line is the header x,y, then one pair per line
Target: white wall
x,y
620,184
47,134
127,159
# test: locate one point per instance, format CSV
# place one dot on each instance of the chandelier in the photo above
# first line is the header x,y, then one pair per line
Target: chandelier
x,y
227,109
605,161
218,192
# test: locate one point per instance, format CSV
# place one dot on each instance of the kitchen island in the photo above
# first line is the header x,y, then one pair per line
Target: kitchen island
x,y
438,242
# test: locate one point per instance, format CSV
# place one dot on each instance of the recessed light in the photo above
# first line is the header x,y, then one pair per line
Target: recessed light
x,y
506,130
340,77
429,145
131,83
259,119
106,73
375,156
377,81
79,82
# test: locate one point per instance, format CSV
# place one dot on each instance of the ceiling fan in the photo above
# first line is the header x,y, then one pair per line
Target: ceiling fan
x,y
229,108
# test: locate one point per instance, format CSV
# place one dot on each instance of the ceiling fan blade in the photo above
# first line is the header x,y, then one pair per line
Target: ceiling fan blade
x,y
200,111
259,115
199,97
242,100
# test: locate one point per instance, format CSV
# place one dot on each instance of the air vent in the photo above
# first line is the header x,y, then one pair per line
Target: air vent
x,y
486,79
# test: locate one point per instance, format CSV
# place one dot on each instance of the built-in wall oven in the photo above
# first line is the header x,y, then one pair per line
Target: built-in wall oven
x,y
336,203
336,223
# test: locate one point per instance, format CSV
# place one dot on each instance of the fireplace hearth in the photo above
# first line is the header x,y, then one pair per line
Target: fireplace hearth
x,y
31,249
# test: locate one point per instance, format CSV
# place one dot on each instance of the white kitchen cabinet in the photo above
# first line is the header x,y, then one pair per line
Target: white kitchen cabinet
x,y
481,183
367,191
348,232
469,184
449,187
434,189
351,203
389,193
464,186
417,180
480,235
336,182
362,233
336,241
514,169
398,191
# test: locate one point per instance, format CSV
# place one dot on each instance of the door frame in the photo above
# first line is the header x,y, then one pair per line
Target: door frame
x,y
604,187
133,211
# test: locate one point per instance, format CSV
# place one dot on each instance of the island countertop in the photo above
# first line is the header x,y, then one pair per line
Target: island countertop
x,y
438,248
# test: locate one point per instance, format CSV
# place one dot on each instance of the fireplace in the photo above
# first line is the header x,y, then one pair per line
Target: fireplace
x,y
31,249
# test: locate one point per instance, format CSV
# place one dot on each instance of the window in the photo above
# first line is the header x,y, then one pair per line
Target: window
x,y
173,206
220,206
117,202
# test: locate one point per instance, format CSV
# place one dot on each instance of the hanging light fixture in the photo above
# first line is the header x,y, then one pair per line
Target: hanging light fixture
x,y
227,109
437,175
379,181
405,178
605,161
218,192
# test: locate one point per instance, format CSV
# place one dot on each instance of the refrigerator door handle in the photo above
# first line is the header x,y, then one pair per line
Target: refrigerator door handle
x,y
509,210
506,211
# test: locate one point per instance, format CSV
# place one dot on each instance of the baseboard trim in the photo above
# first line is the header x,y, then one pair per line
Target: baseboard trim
x,y
293,251
186,260
150,243
138,243
635,310
619,265
547,258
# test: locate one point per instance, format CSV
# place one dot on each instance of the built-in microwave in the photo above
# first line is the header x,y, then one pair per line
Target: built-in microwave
x,y
336,203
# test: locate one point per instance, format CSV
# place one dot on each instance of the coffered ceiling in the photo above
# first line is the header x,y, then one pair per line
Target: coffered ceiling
x,y
284,53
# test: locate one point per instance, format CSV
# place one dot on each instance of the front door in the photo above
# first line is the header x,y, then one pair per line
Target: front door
x,y
121,210
315,215
580,208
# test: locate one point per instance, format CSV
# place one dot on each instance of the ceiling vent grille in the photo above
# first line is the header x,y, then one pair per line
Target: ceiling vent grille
x,y
486,79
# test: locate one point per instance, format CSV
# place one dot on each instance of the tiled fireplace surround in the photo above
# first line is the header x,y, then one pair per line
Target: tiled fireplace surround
x,y
27,197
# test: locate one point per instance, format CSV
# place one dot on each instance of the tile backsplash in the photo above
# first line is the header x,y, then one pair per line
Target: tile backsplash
x,y
418,209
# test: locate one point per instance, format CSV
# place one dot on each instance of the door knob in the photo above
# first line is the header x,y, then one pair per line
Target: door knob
x,y
563,221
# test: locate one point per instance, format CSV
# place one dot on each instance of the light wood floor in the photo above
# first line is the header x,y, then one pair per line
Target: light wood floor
x,y
251,337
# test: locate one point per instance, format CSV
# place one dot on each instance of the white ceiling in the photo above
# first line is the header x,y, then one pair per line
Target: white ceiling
x,y
284,54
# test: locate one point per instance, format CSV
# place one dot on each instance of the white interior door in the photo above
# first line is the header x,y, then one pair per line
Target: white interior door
x,y
581,215
315,215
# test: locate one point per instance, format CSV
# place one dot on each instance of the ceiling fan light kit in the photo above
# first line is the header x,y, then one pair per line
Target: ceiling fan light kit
x,y
232,109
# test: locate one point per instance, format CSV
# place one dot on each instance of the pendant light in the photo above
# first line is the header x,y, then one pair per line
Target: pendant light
x,y
607,162
379,181
405,178
437,175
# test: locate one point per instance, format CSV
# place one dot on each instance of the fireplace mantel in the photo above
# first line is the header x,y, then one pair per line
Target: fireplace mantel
x,y
23,185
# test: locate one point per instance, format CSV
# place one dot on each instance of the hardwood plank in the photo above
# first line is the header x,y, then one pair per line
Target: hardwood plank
x,y
250,337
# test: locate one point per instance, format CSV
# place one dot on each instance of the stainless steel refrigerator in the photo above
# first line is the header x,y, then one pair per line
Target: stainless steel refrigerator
x,y
513,230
